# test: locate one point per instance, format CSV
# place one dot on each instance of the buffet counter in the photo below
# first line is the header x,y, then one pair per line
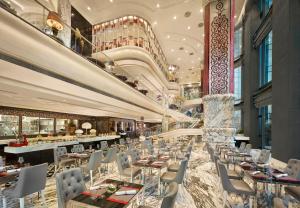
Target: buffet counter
x,y
37,147
40,149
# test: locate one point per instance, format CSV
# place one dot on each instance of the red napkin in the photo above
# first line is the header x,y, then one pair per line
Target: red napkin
x,y
90,194
117,200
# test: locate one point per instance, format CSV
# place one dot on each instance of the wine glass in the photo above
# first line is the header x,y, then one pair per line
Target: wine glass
x,y
21,160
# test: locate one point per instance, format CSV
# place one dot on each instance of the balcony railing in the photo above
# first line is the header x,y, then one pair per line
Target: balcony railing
x,y
35,14
129,31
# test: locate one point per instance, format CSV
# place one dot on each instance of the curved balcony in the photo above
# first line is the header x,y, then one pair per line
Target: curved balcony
x,y
130,31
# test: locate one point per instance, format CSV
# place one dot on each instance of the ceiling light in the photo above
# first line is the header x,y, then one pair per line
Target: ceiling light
x,y
234,16
89,8
175,17
168,36
157,5
203,35
183,39
178,59
172,50
201,10
155,23
186,51
111,1
189,27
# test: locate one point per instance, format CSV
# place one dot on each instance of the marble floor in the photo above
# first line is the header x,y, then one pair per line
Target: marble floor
x,y
200,190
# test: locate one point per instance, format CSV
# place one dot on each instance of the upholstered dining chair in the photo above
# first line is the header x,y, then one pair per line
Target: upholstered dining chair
x,y
94,164
178,176
31,180
78,148
104,145
170,197
110,157
233,186
293,170
135,155
264,156
124,167
69,184
61,161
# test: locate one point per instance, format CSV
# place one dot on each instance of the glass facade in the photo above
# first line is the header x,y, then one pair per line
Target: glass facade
x,y
264,6
265,126
265,60
237,43
238,84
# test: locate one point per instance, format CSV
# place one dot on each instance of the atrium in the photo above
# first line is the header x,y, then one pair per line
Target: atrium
x,y
150,103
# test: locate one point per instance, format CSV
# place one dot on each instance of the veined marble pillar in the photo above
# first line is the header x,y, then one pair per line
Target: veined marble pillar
x,y
218,71
64,10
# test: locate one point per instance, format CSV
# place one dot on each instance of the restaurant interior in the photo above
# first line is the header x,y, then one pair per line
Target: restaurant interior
x,y
154,103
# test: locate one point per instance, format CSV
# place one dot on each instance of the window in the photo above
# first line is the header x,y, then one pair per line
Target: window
x,y
9,125
237,43
237,84
30,125
265,124
264,7
46,125
265,60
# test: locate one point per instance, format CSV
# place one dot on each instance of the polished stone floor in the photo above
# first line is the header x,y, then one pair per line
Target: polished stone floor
x,y
200,190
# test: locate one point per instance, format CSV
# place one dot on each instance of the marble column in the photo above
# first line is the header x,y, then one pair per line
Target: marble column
x,y
218,101
64,10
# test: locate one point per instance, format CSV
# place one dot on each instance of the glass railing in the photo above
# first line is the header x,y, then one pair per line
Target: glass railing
x,y
56,26
129,31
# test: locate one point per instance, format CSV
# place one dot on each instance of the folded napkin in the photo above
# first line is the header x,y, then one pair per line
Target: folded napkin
x,y
255,172
281,175
94,188
243,163
13,170
158,163
143,161
128,192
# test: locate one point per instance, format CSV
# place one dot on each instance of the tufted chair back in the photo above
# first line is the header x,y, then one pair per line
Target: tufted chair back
x,y
135,155
150,149
123,162
169,199
293,168
104,145
181,171
58,153
264,156
242,146
111,155
95,160
128,140
78,148
248,148
69,184
122,142
31,180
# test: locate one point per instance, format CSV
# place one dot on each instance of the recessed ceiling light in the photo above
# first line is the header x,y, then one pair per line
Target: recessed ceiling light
x,y
172,50
201,10
168,36
89,8
187,14
234,16
183,39
157,5
178,59
186,51
203,35
111,1
72,14
155,23
189,27
175,17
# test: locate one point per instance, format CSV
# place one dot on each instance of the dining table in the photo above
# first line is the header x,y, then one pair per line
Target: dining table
x,y
153,163
265,174
102,196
